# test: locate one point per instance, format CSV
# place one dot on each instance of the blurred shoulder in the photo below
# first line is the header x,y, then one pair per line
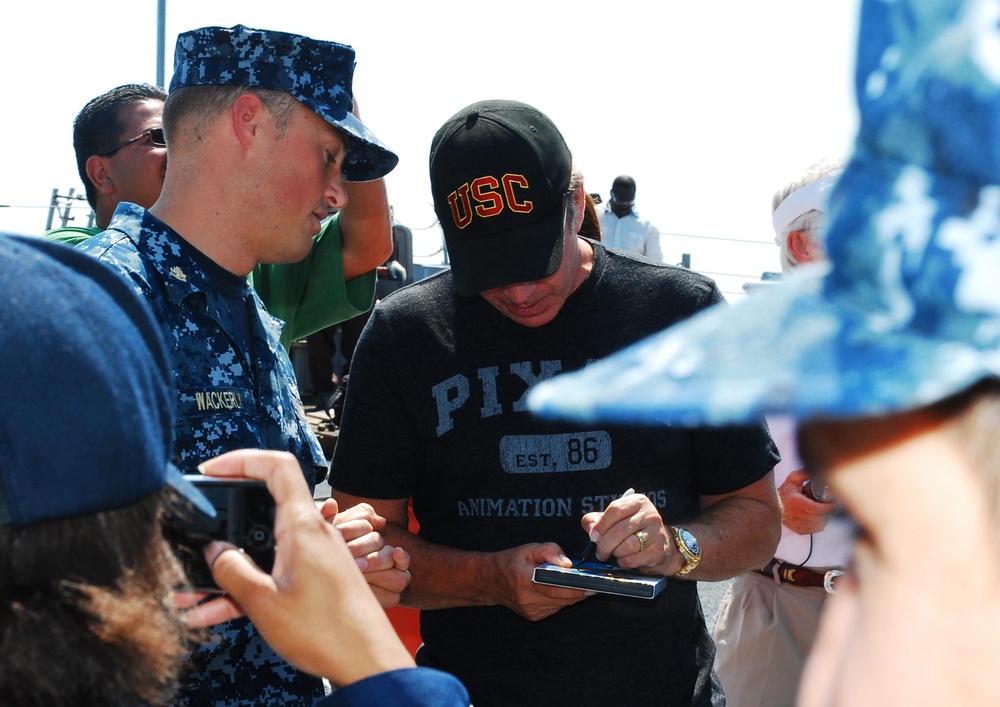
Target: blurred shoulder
x,y
632,267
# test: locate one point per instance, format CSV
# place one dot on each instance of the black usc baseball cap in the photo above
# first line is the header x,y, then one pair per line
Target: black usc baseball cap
x,y
499,171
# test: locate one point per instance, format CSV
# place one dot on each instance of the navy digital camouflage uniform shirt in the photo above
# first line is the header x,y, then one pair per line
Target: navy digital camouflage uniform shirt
x,y
231,394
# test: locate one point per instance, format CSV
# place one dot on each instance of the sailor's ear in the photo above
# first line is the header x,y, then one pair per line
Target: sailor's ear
x,y
247,113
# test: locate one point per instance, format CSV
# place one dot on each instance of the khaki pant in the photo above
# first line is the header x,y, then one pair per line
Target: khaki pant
x,y
764,632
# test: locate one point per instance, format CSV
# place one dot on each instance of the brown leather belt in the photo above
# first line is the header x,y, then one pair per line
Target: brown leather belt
x,y
799,576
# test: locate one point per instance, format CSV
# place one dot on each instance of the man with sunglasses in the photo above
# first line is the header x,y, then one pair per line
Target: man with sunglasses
x,y
120,150
621,226
121,155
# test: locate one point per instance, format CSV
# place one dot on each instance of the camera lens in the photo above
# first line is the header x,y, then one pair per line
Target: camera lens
x,y
258,536
817,491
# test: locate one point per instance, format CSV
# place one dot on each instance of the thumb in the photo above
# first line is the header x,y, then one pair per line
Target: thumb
x,y
553,554
797,477
329,509
236,574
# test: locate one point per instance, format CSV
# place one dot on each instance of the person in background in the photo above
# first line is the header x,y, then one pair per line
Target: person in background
x,y
121,154
330,385
768,620
496,493
88,615
259,152
887,359
621,226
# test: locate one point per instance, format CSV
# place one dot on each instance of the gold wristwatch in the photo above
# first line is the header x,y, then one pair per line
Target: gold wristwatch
x,y
687,545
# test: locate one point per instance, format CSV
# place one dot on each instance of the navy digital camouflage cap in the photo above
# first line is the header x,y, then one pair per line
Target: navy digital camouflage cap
x,y
316,72
907,310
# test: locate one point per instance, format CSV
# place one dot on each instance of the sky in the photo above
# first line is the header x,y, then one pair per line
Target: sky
x,y
710,106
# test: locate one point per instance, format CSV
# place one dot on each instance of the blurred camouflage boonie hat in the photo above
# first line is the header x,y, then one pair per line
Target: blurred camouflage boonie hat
x,y
907,311
317,73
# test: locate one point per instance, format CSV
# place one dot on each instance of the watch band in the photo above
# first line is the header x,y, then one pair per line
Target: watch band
x,y
691,555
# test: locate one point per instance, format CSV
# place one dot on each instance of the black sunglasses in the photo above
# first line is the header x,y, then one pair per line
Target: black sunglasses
x,y
155,135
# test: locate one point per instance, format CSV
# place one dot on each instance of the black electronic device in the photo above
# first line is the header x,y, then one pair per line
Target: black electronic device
x,y
245,513
600,577
817,491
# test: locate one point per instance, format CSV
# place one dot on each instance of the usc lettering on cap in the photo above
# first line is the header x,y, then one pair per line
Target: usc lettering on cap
x,y
491,195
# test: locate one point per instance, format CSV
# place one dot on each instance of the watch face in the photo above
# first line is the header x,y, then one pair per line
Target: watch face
x,y
688,539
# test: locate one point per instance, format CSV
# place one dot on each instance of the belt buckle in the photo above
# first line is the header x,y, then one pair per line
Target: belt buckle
x,y
776,571
828,580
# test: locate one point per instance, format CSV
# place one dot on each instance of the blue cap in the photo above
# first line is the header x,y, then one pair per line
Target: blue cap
x,y
88,412
907,311
317,73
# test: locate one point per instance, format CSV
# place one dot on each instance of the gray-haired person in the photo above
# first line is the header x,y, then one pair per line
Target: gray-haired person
x,y
768,620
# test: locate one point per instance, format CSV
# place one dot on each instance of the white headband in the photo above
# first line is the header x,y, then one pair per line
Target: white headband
x,y
812,197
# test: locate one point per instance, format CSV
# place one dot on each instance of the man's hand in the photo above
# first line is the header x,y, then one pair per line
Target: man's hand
x,y
386,568
519,594
616,532
801,514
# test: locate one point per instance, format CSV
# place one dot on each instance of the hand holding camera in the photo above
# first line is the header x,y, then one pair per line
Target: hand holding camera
x,y
806,503
314,591
244,518
817,491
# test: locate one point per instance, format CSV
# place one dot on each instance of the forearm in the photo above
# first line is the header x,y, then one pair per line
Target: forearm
x,y
443,577
366,228
736,535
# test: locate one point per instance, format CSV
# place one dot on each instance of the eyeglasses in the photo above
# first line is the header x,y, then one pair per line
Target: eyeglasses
x,y
155,136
